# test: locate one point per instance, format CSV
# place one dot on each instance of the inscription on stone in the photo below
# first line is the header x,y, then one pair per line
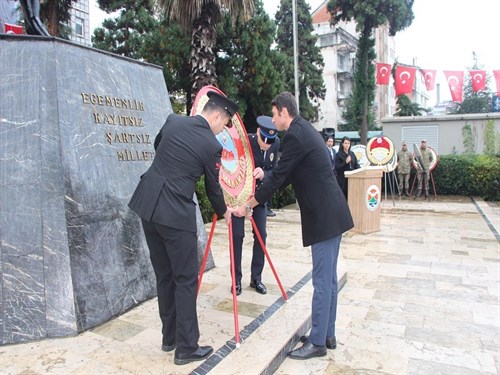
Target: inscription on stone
x,y
131,121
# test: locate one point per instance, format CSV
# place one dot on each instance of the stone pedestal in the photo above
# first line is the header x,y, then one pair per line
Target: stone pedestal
x,y
77,127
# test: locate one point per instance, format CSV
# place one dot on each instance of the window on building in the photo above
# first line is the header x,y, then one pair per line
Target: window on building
x,y
79,26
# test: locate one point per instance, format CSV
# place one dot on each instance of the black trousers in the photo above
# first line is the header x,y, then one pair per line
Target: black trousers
x,y
174,257
260,217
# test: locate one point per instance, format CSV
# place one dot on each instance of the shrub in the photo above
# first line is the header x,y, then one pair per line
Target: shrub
x,y
477,175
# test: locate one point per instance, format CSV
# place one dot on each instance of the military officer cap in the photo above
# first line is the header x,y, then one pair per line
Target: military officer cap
x,y
223,102
268,131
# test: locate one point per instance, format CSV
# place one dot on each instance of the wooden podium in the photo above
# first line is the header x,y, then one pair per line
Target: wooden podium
x,y
364,198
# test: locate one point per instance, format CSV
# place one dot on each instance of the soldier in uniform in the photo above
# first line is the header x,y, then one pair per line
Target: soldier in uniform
x,y
265,145
423,174
186,149
405,161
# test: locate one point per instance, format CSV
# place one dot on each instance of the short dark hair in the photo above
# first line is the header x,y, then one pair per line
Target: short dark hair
x,y
328,137
286,100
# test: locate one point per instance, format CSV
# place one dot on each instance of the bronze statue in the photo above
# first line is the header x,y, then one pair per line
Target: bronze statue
x,y
31,10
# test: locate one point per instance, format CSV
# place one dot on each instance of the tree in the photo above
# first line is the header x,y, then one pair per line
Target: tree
x,y
311,84
368,15
200,18
137,33
407,108
247,67
56,16
473,102
125,34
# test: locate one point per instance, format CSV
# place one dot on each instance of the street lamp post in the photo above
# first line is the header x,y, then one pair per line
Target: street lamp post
x,y
295,53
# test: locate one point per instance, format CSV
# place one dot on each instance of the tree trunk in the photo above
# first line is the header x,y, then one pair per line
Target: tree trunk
x,y
202,56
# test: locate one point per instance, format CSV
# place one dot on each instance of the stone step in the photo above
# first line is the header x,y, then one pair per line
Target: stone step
x,y
266,341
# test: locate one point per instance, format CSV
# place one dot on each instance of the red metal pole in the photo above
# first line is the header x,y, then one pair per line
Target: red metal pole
x,y
268,257
233,277
205,257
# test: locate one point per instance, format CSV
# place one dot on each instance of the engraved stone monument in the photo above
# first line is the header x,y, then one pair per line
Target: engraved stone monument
x,y
77,127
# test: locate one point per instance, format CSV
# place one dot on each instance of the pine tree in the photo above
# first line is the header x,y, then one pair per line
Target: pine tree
x,y
311,84
56,16
137,33
473,102
368,15
407,108
248,69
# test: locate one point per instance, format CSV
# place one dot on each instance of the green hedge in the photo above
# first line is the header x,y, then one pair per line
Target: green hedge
x,y
476,175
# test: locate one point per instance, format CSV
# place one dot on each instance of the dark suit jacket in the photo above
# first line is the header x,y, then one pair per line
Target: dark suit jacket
x,y
341,166
266,161
305,163
186,150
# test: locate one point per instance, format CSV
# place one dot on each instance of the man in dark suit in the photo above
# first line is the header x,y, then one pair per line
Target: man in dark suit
x,y
265,145
325,216
186,150
330,142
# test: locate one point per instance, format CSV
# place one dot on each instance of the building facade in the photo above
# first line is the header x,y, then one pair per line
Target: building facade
x,y
80,23
339,45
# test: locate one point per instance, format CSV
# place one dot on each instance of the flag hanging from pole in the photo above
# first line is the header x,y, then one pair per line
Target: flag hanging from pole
x,y
478,78
496,74
405,78
429,78
455,79
383,73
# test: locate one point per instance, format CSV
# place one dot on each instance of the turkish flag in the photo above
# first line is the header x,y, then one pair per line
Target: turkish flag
x,y
405,78
429,78
455,79
383,73
478,78
13,29
496,74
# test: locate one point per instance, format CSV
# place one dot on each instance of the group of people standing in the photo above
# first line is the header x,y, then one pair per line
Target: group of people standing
x,y
186,149
405,162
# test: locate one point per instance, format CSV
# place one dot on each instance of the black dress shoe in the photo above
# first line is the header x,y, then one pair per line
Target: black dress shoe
x,y
198,355
238,288
271,213
331,342
308,350
258,286
168,348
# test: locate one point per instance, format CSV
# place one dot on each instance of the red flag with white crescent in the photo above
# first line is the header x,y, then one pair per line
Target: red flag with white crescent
x,y
383,73
13,29
405,78
429,78
496,74
455,79
478,78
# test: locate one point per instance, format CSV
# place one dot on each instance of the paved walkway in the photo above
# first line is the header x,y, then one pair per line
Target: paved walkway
x,y
422,297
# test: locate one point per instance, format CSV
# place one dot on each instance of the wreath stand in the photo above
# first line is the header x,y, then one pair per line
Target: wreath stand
x,y
233,274
431,178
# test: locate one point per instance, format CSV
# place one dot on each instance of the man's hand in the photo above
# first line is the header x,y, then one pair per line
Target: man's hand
x,y
227,215
258,173
242,211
